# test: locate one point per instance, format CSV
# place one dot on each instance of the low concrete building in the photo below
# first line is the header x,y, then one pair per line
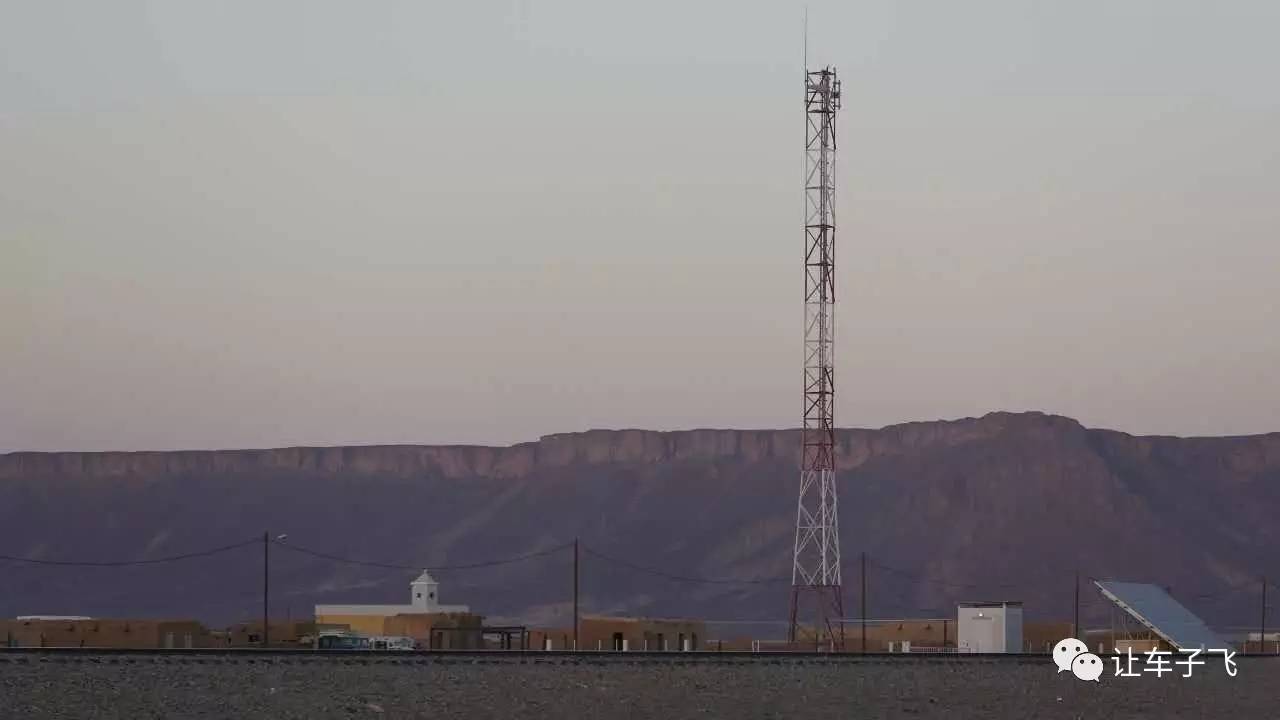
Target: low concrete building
x,y
989,627
284,634
900,635
623,634
424,618
882,635
36,631
438,631
1040,637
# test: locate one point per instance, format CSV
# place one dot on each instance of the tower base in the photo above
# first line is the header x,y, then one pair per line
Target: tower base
x,y
824,603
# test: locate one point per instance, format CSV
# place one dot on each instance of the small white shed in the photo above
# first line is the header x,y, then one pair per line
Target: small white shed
x,y
989,627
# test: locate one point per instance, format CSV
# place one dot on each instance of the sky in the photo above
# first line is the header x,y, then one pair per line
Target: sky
x,y
266,223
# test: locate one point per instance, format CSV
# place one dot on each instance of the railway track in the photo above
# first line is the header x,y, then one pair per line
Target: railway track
x,y
252,656
214,656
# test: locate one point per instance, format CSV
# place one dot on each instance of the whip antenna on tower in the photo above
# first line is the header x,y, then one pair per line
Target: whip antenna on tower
x,y
815,573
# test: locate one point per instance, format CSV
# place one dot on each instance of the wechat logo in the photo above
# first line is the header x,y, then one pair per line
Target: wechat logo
x,y
1071,655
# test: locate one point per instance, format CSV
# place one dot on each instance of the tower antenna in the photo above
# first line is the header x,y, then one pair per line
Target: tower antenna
x,y
815,572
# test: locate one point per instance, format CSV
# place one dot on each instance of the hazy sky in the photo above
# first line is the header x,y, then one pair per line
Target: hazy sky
x,y
260,223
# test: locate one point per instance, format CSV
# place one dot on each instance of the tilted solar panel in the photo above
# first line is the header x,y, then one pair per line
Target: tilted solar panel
x,y
1166,617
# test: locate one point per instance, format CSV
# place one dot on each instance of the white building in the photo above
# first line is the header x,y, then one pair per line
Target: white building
x,y
424,597
989,627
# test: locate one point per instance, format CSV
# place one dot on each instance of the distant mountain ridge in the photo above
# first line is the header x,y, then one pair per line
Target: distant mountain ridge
x,y
1009,505
592,446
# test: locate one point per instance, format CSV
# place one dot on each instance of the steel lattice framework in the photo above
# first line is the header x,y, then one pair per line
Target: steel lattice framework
x,y
815,571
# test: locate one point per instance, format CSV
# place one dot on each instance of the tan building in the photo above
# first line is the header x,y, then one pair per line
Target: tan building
x,y
881,636
919,634
99,633
283,634
1040,637
631,634
897,635
430,631
423,618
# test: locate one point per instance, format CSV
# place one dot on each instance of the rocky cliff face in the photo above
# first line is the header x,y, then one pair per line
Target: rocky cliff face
x,y
593,447
1007,505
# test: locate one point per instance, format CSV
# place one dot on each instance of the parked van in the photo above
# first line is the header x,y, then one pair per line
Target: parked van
x,y
391,643
340,640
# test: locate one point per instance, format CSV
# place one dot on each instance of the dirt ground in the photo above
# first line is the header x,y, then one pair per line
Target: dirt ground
x,y
338,688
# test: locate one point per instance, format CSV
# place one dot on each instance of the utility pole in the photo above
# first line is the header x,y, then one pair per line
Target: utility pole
x,y
863,598
266,586
1262,631
575,594
1075,626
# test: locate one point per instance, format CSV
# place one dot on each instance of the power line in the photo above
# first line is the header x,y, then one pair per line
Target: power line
x,y
900,603
128,563
685,578
921,578
397,566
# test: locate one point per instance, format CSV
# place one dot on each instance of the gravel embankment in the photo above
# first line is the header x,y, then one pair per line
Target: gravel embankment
x,y
317,688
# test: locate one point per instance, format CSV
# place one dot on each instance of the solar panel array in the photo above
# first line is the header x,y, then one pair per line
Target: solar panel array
x,y
1166,617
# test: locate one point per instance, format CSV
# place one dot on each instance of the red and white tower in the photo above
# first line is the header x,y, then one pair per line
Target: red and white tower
x,y
815,574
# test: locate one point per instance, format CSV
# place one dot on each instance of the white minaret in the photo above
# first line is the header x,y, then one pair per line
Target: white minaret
x,y
426,593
